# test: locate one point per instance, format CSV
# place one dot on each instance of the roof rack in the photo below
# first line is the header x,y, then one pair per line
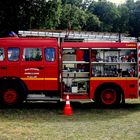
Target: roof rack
x,y
86,36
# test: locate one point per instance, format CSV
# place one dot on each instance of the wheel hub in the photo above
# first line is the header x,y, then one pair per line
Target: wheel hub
x,y
10,96
108,96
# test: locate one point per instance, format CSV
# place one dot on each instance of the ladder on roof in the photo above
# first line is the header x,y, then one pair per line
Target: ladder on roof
x,y
87,36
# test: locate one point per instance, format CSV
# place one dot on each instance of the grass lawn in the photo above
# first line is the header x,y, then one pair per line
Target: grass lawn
x,y
45,121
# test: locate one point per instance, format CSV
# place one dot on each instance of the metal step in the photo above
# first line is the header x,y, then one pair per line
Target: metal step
x,y
41,97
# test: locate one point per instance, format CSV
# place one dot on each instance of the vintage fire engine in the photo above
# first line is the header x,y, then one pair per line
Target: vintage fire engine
x,y
40,69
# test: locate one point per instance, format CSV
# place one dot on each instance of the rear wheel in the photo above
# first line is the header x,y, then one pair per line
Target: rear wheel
x,y
108,95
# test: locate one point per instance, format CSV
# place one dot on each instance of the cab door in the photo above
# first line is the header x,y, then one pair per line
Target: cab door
x,y
32,68
51,68
3,64
13,62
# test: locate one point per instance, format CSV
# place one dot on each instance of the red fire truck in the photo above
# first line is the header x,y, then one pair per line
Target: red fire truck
x,y
40,69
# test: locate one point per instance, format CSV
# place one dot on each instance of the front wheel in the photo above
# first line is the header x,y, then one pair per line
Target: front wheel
x,y
12,94
10,97
108,96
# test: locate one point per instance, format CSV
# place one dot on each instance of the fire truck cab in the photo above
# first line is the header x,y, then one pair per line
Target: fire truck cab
x,y
28,65
106,72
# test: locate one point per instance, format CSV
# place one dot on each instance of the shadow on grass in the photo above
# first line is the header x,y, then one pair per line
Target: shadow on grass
x,y
75,105
54,111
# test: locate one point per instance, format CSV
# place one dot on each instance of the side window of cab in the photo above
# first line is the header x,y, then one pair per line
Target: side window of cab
x,y
32,54
2,56
50,54
13,54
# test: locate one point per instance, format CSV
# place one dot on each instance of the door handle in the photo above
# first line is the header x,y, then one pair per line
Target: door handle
x,y
3,67
40,68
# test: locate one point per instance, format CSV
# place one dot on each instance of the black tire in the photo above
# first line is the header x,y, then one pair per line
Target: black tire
x,y
108,95
13,93
10,97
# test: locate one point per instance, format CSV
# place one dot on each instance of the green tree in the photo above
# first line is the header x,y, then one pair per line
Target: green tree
x,y
77,3
130,4
122,23
93,23
53,13
135,20
86,3
69,14
72,18
107,13
31,13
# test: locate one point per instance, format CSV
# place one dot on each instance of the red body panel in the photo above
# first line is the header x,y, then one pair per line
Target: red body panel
x,y
98,45
129,85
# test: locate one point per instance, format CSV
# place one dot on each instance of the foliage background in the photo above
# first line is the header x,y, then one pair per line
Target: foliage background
x,y
87,15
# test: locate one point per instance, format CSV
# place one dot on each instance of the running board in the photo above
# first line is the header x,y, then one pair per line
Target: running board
x,y
36,97
42,97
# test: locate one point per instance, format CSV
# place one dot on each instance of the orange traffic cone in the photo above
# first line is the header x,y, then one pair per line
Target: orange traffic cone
x,y
67,109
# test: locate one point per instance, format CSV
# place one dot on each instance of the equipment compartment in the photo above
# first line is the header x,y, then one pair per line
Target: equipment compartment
x,y
75,71
114,63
